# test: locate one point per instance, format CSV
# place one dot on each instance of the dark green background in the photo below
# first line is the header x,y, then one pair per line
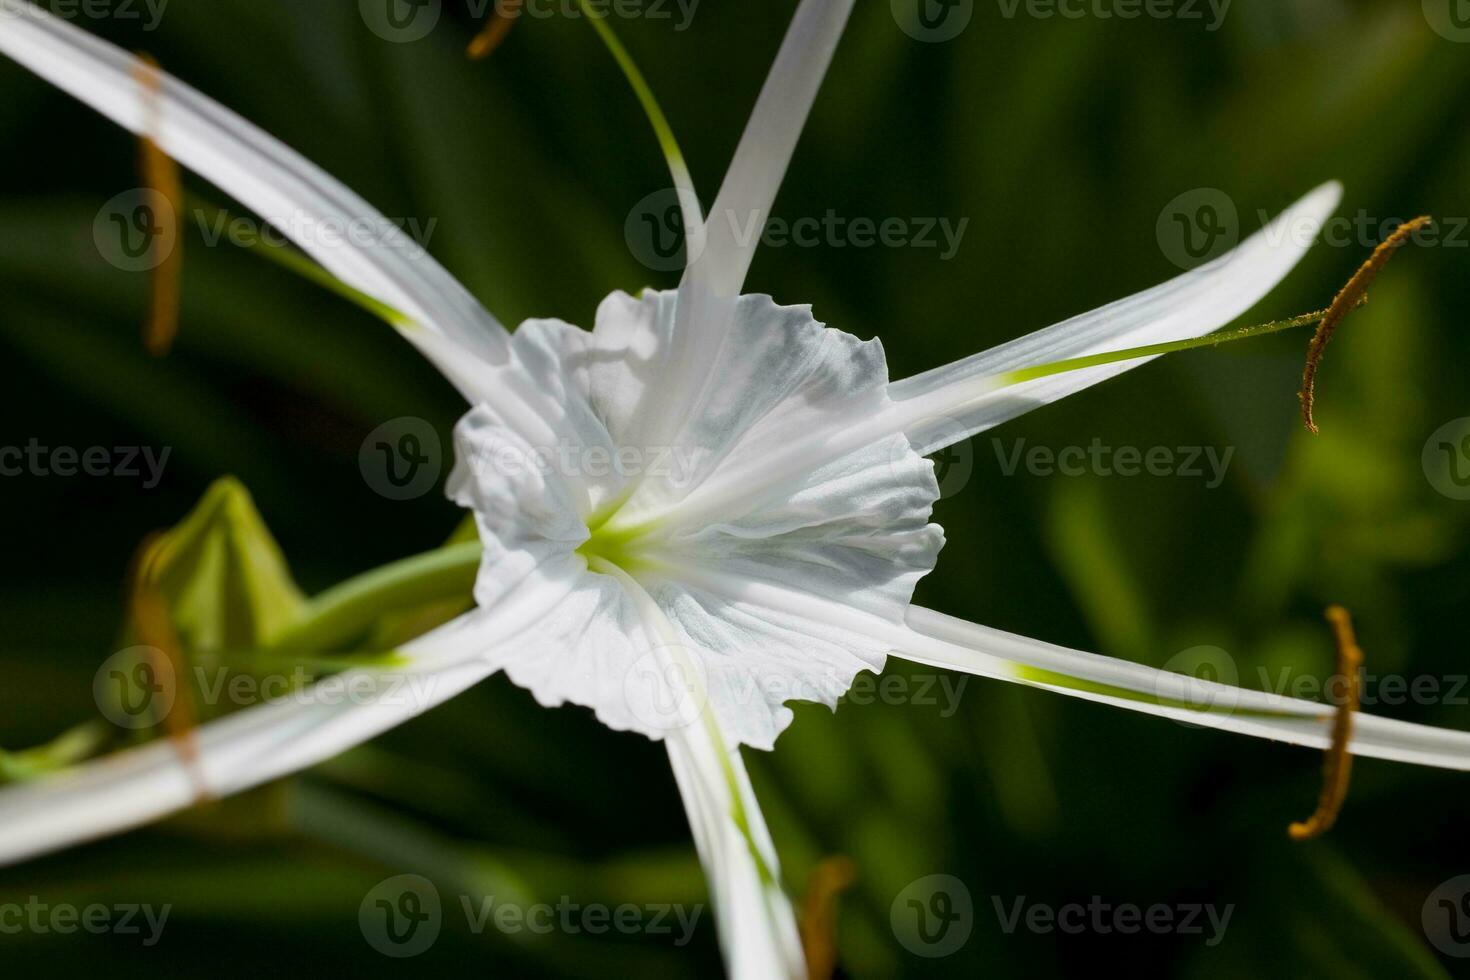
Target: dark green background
x,y
1060,140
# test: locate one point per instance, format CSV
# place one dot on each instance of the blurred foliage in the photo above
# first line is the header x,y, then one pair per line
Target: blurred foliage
x,y
1060,140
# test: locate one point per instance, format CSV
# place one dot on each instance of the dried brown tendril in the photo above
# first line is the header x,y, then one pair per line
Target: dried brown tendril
x,y
829,879
504,17
1337,766
155,630
161,177
1348,298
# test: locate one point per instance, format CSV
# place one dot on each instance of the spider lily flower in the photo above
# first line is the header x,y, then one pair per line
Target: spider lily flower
x,y
774,561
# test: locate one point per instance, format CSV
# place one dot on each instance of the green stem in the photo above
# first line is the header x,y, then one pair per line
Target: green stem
x,y
1153,350
345,611
302,265
662,131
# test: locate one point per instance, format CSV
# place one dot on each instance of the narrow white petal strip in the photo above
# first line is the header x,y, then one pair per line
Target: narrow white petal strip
x,y
765,149
758,931
943,641
331,223
961,399
721,257
757,924
258,744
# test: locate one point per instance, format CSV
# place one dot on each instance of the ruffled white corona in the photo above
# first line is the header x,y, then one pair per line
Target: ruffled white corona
x,y
853,531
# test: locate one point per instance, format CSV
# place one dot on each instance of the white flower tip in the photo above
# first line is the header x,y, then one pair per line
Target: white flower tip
x,y
1316,207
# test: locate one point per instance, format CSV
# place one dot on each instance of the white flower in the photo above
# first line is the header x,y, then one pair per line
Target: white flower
x,y
771,557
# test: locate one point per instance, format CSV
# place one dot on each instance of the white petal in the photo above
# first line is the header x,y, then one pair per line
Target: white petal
x,y
296,196
758,932
757,925
944,641
765,149
258,744
721,256
955,401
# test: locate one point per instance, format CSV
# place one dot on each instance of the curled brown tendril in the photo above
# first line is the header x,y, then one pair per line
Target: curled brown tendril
x,y
1337,766
1348,298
